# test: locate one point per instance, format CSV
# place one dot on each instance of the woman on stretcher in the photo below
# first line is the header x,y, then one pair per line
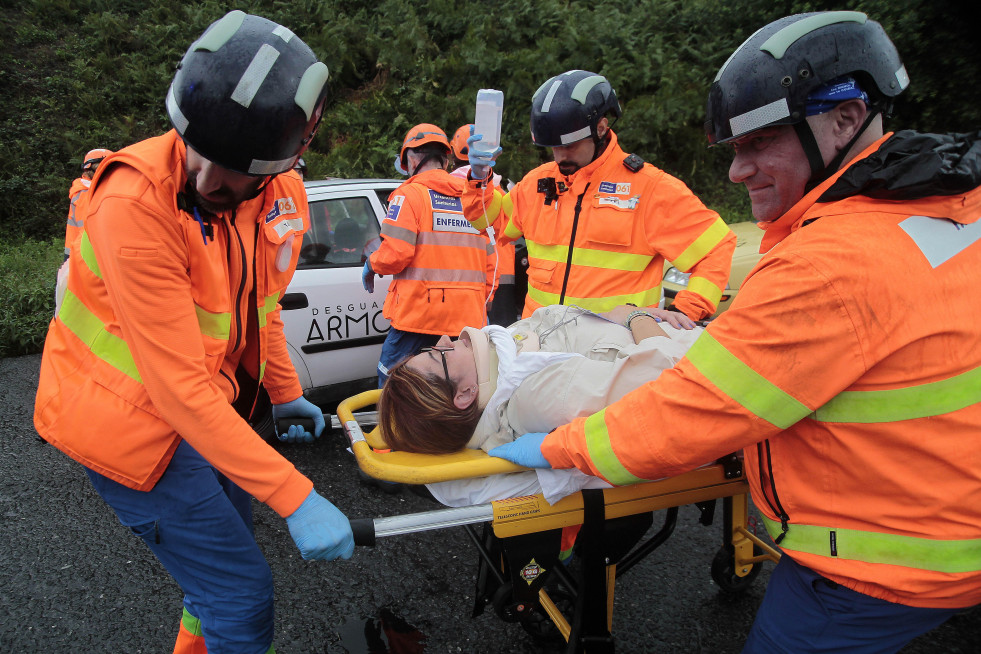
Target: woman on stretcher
x,y
493,384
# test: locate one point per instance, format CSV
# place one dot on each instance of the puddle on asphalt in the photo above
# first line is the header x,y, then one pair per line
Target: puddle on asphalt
x,y
386,633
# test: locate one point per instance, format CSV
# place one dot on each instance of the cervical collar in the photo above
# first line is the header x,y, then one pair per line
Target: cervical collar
x,y
486,359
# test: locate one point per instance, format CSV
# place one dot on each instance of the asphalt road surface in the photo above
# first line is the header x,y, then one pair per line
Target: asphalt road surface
x,y
74,580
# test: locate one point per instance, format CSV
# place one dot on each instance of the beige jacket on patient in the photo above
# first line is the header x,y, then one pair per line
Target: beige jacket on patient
x,y
612,365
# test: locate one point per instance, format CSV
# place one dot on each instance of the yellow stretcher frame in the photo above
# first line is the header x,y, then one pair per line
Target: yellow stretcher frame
x,y
533,514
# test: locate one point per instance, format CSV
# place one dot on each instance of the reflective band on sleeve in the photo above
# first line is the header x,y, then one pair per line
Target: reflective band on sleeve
x,y
512,231
400,233
442,275
759,117
646,298
777,44
601,451
215,325
255,75
706,289
268,306
931,399
453,239
623,261
702,245
88,255
950,556
743,384
91,331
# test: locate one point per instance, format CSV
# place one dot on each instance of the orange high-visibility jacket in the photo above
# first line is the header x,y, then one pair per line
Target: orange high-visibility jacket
x,y
167,321
74,227
504,247
442,268
859,409
599,238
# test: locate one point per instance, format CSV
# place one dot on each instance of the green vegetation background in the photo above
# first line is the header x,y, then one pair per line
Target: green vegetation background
x,y
78,75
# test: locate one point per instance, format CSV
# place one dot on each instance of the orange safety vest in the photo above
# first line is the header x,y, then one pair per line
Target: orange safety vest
x,y
79,186
599,238
169,319
859,412
442,268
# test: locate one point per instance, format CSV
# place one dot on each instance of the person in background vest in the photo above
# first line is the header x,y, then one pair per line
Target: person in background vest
x,y
81,184
599,223
442,268
860,421
169,325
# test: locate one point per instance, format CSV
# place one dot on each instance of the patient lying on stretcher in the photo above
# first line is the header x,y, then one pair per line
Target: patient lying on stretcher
x,y
493,384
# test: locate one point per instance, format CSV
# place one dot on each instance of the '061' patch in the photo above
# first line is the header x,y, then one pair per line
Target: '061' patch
x,y
621,188
281,207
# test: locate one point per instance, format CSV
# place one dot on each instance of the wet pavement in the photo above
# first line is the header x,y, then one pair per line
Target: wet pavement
x,y
75,580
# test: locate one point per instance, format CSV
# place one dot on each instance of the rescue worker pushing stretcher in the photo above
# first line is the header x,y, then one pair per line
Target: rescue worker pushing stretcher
x,y
860,421
170,323
599,223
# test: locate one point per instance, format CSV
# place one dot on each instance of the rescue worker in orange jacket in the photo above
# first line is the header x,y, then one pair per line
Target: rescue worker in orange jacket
x,y
860,420
170,323
503,309
443,268
599,223
81,184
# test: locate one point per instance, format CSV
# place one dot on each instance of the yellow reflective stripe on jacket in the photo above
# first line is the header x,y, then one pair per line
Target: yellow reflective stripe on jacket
x,y
88,255
706,289
623,261
743,384
950,556
215,325
646,298
267,307
702,245
90,330
930,399
191,624
601,451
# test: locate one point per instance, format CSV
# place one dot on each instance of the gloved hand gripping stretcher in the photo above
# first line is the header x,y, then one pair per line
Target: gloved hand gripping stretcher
x,y
519,567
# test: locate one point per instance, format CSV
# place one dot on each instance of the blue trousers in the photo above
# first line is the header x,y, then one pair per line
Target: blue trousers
x,y
804,612
199,525
399,345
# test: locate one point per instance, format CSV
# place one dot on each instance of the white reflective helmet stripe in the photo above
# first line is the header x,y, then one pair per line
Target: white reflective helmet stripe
x,y
551,94
577,135
255,75
902,77
260,167
283,33
176,115
582,89
735,52
759,117
310,86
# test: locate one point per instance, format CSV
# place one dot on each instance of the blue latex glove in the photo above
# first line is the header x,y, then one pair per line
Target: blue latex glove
x,y
481,161
319,529
525,451
368,277
301,407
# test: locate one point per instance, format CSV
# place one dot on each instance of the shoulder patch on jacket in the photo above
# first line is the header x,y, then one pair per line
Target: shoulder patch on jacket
x,y
633,163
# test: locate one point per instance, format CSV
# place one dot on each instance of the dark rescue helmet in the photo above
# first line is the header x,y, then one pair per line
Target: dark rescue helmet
x,y
767,79
248,95
567,108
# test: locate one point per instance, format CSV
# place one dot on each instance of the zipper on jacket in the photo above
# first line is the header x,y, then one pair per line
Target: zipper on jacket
x,y
572,240
778,509
241,285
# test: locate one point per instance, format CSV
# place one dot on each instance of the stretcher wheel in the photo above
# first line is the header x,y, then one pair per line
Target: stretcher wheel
x,y
724,570
507,608
539,625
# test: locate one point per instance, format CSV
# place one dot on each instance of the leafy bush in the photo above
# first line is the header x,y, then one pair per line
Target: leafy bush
x,y
27,284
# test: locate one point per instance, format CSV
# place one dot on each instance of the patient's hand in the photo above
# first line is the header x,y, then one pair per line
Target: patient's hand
x,y
619,314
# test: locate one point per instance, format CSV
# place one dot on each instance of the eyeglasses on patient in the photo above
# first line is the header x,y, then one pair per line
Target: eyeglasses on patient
x,y
442,349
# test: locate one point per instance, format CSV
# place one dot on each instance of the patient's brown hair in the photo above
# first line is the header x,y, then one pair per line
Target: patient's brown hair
x,y
416,413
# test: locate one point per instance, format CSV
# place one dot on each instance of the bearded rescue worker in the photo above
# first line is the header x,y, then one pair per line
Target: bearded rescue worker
x,y
170,322
81,184
443,268
599,223
860,421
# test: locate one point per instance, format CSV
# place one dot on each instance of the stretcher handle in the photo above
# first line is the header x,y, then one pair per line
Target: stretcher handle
x,y
364,531
283,424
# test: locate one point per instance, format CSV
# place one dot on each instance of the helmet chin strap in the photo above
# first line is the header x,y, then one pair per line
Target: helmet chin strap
x,y
820,172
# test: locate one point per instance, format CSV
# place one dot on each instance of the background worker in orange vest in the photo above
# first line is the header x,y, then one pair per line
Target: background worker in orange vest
x,y
598,223
860,422
443,268
170,323
81,184
503,309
